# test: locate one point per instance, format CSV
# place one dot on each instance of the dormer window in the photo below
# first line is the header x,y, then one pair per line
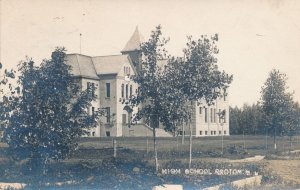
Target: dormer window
x,y
126,71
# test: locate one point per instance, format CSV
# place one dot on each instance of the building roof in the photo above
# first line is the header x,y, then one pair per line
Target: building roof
x,y
134,42
82,65
111,64
92,67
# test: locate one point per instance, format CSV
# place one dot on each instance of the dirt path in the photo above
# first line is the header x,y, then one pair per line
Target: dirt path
x,y
257,158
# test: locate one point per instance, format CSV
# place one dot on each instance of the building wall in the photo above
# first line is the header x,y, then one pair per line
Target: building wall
x,y
116,101
108,129
96,103
118,125
213,126
200,127
137,130
123,117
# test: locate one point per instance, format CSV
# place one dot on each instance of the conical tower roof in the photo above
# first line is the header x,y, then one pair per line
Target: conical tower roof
x,y
135,41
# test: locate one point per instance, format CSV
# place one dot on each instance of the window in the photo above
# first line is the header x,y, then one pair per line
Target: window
x,y
108,114
205,132
225,94
88,111
122,90
224,116
219,116
225,132
130,91
93,111
108,133
205,115
108,90
93,133
214,115
126,70
211,132
200,132
91,88
211,115
126,89
200,110
215,132
220,132
88,85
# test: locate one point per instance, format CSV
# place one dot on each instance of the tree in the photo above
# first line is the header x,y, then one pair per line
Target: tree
x,y
6,86
161,101
149,81
197,76
50,114
235,121
246,120
276,103
167,92
292,124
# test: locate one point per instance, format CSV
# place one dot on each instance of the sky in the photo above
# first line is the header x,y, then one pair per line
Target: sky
x,y
254,36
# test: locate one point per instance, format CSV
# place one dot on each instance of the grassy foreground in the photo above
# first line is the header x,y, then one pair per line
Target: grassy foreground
x,y
94,167
233,146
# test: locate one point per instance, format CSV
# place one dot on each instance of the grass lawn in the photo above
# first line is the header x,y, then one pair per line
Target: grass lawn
x,y
92,166
202,147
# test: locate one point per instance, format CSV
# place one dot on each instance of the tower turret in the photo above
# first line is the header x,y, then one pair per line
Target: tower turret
x,y
132,48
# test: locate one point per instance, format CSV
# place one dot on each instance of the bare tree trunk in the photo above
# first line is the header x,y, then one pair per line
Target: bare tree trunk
x,y
290,142
266,139
244,140
190,160
177,143
182,137
155,150
115,148
147,145
44,163
275,147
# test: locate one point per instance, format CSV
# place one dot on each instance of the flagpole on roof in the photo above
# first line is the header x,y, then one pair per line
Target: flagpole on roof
x,y
80,43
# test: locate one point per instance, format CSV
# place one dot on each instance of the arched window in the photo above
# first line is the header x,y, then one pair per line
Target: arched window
x,y
206,116
126,88
122,90
130,91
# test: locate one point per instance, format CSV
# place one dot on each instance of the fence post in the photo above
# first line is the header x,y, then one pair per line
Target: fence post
x,y
147,145
115,147
177,143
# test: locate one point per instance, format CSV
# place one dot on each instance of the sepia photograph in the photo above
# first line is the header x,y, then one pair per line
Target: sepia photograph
x,y
150,94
